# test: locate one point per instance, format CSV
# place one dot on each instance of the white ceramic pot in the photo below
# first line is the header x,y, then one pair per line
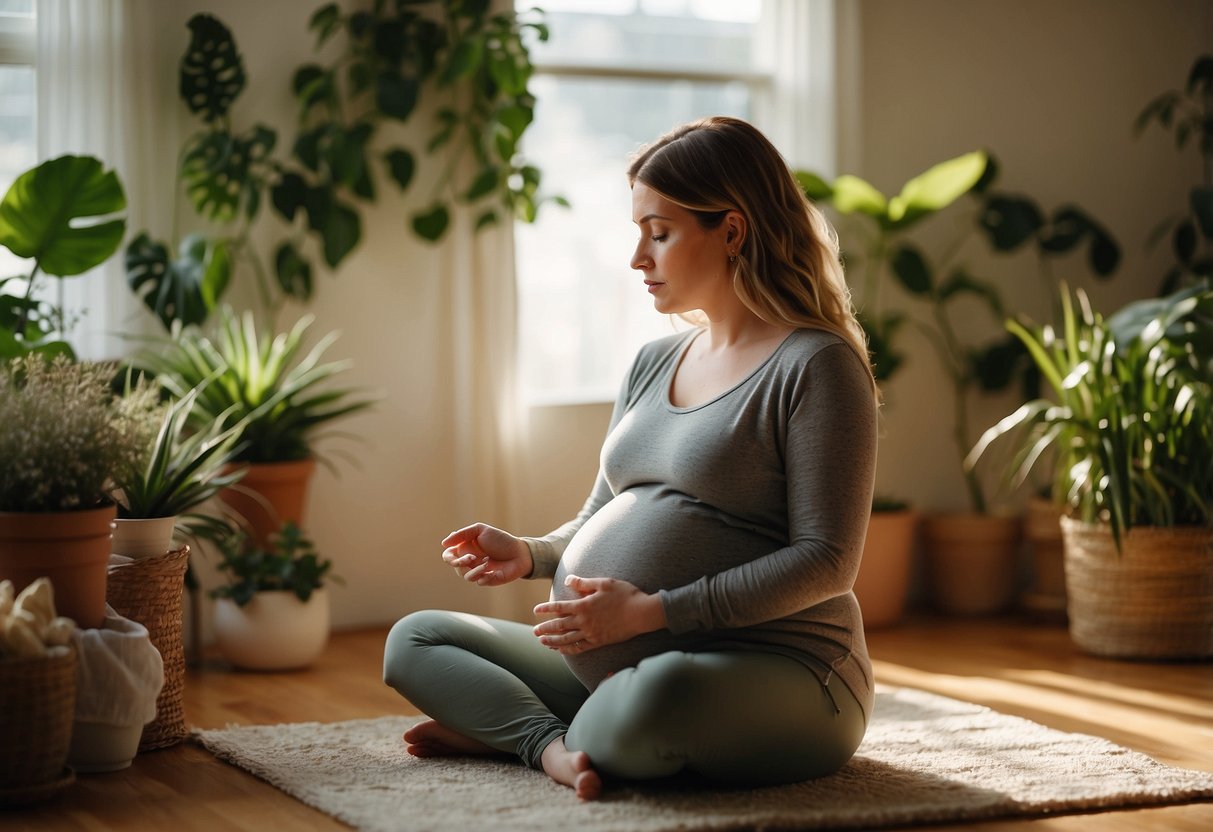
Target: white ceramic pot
x,y
143,538
97,747
273,631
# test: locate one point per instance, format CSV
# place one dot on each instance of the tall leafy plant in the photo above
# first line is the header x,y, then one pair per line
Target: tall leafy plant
x,y
1188,113
1130,414
63,217
394,56
478,67
1007,223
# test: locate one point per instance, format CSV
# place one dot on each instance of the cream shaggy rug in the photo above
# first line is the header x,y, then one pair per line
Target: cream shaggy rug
x,y
926,758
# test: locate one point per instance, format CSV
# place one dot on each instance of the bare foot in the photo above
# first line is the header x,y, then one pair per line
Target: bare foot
x,y
429,739
572,769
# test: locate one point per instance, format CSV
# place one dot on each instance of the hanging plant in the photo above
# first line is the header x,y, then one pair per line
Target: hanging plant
x,y
477,65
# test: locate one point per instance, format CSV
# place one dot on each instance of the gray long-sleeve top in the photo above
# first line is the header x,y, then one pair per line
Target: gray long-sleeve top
x,y
746,513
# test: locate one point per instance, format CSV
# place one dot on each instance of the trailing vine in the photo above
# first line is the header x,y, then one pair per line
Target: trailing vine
x,y
394,55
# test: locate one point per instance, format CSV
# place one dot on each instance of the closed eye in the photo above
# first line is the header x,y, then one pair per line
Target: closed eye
x,y
657,238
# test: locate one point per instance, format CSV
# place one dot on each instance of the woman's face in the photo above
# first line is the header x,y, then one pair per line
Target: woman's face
x,y
685,266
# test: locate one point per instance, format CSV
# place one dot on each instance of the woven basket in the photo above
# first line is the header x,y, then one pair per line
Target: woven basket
x,y
149,591
39,697
1151,600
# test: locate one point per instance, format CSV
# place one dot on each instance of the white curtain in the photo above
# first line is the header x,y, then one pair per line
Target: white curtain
x,y
478,268
99,93
800,114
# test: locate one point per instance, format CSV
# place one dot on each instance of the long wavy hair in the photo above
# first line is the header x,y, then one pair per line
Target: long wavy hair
x,y
788,270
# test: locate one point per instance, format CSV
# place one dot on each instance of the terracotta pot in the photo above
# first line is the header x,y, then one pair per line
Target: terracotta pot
x,y
273,631
1046,596
144,537
882,585
972,562
270,494
72,548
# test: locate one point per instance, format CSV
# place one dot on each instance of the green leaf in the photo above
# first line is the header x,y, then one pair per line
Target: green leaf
x,y
432,224
1183,241
341,232
1104,254
853,195
217,166
325,21
936,188
1068,227
1010,221
1200,79
486,219
485,183
55,213
212,73
1201,200
186,289
401,166
395,95
516,118
997,365
289,195
465,59
911,270
294,272
814,187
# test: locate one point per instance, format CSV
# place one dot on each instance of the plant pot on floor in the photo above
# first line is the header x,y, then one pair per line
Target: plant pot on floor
x,y
1045,597
72,548
1151,600
273,631
972,562
270,494
39,697
882,584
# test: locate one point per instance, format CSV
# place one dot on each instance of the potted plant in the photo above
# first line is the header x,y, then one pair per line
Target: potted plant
x,y
279,398
273,613
181,467
972,556
63,435
1131,423
61,216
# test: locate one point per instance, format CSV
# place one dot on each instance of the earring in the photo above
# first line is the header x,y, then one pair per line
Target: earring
x,y
732,259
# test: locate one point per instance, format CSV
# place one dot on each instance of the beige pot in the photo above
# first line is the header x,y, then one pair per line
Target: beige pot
x,y
882,585
97,747
143,538
1151,600
972,562
273,631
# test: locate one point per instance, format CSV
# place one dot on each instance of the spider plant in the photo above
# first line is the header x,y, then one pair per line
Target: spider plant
x,y
184,466
1130,422
278,397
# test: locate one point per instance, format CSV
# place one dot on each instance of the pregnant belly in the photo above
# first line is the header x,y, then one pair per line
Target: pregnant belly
x,y
653,539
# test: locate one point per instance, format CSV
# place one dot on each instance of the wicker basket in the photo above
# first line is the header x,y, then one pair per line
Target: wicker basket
x,y
1151,600
39,698
149,591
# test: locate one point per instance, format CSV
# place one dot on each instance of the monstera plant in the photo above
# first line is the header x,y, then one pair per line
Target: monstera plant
x,y
391,57
62,217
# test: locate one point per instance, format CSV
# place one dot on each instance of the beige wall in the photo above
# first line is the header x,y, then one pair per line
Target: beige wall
x,y
1052,87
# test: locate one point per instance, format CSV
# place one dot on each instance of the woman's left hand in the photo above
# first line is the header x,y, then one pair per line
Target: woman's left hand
x,y
608,611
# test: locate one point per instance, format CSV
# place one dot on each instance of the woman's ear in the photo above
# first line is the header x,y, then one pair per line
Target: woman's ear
x,y
735,231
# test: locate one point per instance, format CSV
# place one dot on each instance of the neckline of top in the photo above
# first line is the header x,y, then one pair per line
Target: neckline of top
x,y
681,354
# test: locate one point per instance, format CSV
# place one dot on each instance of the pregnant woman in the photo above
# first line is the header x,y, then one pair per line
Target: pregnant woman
x,y
701,616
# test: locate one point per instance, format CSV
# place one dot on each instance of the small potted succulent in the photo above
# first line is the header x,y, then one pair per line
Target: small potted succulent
x,y
273,612
181,468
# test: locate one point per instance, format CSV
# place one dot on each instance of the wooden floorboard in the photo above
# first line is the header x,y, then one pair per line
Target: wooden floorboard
x,y
1012,665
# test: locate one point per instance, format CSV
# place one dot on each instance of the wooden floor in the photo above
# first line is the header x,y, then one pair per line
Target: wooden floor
x,y
1024,668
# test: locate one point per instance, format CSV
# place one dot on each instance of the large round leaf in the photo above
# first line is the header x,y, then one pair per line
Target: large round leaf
x,y
186,289
937,188
54,213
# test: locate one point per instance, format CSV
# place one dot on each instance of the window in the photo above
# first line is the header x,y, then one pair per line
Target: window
x,y
18,151
614,75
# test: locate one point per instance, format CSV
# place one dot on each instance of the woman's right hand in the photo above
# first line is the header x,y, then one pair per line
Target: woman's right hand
x,y
487,556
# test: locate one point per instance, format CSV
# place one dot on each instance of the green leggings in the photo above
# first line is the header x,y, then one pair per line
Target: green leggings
x,y
746,718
